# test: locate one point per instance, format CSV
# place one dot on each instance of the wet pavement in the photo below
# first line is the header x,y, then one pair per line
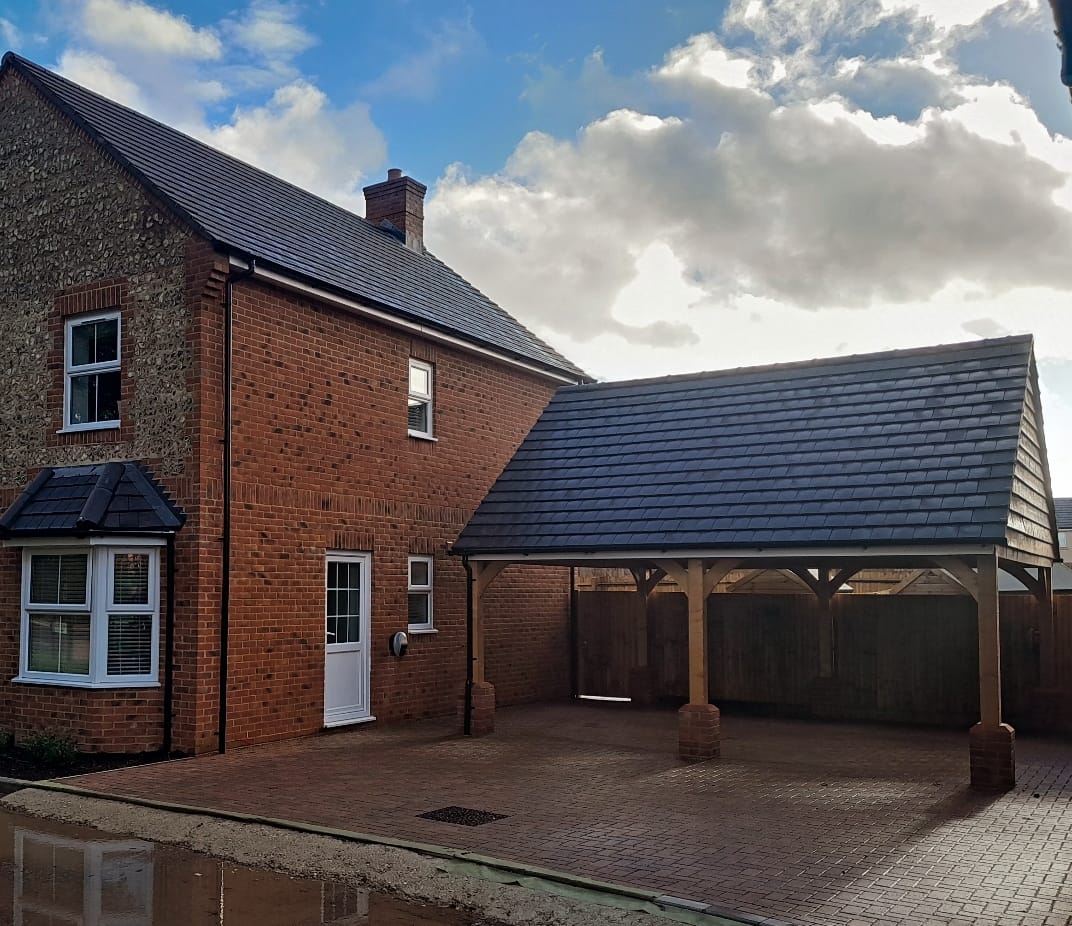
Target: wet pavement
x,y
803,822
57,875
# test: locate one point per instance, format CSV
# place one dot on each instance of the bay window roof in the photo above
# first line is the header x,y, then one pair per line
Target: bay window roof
x,y
103,498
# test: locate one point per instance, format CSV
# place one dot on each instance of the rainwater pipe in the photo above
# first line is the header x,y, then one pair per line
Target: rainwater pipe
x,y
225,562
467,719
169,645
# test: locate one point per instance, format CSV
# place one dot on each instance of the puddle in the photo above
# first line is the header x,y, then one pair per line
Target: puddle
x,y
57,875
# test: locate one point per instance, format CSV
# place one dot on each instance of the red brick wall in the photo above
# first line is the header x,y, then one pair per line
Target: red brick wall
x,y
321,452
322,461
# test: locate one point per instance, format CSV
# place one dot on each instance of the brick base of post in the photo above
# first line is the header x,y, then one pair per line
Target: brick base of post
x,y
993,759
641,692
698,732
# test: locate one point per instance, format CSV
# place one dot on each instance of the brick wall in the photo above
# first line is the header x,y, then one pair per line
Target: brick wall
x,y
323,462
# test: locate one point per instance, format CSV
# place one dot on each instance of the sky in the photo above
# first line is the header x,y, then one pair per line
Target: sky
x,y
654,186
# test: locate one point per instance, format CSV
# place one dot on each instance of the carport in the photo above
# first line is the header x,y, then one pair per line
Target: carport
x,y
931,458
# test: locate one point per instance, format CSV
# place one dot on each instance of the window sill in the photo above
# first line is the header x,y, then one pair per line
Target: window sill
x,y
420,436
421,631
72,683
96,426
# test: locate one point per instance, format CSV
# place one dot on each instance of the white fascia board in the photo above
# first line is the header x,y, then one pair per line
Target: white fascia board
x,y
93,540
752,553
394,321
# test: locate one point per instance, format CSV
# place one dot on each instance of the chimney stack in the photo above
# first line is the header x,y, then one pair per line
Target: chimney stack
x,y
399,200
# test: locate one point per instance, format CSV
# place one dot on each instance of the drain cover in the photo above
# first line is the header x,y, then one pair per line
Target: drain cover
x,y
462,816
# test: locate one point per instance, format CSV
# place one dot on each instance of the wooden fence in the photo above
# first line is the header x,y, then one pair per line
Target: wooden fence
x,y
900,658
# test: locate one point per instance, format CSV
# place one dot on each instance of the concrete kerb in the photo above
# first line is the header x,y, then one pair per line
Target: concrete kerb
x,y
471,864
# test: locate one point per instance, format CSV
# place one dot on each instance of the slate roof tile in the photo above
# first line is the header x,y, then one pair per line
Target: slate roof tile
x,y
103,498
907,447
249,211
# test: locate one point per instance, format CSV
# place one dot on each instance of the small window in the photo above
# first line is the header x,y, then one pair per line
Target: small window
x,y
92,367
420,399
420,593
90,616
343,601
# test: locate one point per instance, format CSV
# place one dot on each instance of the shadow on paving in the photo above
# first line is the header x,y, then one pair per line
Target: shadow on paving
x,y
806,822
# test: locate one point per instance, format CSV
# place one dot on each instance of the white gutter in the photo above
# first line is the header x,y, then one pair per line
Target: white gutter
x,y
394,321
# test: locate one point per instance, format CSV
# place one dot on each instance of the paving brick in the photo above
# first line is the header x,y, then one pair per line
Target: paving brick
x,y
777,827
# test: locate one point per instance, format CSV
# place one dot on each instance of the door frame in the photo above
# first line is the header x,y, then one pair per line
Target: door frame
x,y
365,561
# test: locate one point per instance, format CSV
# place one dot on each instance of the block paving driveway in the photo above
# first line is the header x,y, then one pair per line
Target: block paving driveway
x,y
802,822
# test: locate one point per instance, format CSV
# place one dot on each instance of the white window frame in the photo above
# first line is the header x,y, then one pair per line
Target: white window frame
x,y
98,606
70,371
426,398
426,590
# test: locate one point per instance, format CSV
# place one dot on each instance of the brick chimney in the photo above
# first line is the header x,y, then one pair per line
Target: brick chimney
x,y
400,201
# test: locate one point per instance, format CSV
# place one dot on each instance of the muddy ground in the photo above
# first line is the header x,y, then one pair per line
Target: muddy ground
x,y
373,867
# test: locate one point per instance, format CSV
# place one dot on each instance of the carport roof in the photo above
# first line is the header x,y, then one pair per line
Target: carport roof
x,y
912,449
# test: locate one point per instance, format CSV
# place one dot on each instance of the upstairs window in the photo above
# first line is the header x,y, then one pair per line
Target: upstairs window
x,y
420,593
420,399
91,367
90,616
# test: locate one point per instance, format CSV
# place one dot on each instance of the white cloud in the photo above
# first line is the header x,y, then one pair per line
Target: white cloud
x,y
946,14
811,204
183,74
271,29
9,34
704,56
300,136
135,24
100,74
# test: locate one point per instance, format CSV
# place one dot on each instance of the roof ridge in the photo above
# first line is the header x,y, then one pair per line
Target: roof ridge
x,y
815,362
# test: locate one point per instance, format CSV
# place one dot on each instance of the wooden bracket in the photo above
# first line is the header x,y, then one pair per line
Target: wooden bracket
x,y
646,579
745,579
677,572
714,573
485,573
905,582
717,571
962,574
1037,586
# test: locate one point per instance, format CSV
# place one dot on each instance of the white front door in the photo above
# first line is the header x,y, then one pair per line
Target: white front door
x,y
347,627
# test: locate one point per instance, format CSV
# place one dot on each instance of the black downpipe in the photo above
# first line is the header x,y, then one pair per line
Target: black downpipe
x,y
169,644
574,631
467,721
225,590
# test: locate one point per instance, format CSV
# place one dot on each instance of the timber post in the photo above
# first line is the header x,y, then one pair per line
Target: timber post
x,y
991,745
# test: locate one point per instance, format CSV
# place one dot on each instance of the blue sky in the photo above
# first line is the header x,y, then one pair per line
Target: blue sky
x,y
654,187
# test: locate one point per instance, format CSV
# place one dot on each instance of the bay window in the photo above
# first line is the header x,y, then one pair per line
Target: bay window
x,y
90,615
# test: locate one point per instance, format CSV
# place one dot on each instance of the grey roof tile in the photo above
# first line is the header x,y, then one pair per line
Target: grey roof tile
x,y
103,498
249,211
906,447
